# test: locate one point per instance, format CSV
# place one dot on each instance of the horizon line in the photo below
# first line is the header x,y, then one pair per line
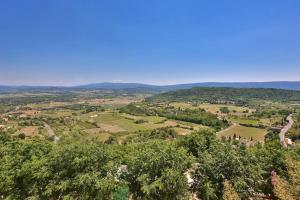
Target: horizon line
x,y
149,84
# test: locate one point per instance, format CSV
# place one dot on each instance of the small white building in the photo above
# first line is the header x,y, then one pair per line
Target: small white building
x,y
288,141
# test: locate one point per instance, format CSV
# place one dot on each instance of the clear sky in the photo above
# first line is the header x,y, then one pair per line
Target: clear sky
x,y
70,42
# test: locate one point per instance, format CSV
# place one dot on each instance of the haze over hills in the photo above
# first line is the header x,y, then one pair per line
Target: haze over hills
x,y
112,85
289,85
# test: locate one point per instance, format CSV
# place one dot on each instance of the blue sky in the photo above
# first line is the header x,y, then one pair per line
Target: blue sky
x,y
70,42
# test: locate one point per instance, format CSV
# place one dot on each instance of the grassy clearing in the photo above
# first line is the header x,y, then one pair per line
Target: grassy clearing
x,y
245,132
57,113
182,105
182,131
113,128
86,125
214,108
114,102
49,105
97,135
152,119
242,120
113,121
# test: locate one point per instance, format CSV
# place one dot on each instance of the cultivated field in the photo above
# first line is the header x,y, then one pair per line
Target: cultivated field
x,y
90,116
248,133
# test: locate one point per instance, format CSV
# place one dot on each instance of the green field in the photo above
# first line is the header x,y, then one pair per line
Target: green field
x,y
245,132
114,122
244,120
214,108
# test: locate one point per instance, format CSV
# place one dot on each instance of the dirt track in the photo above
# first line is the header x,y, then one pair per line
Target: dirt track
x,y
51,133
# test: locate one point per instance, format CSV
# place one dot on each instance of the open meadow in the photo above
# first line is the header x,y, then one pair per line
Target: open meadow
x,y
243,132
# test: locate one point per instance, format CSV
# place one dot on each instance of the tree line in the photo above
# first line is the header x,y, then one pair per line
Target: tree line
x,y
238,96
198,116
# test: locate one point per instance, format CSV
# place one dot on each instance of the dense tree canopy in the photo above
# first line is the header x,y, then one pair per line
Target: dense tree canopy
x,y
152,168
239,96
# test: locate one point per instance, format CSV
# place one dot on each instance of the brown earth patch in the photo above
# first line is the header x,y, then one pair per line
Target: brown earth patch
x,y
30,131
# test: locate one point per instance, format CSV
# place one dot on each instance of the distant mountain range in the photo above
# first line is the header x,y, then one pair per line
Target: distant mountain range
x,y
289,85
117,86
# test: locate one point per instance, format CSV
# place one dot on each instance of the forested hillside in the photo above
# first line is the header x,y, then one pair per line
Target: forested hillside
x,y
236,95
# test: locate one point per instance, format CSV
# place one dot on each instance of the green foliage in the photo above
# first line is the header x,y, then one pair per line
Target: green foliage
x,y
239,96
121,193
218,161
271,156
224,110
268,113
155,167
135,110
199,142
198,116
37,169
144,136
148,164
294,132
293,177
287,187
140,121
281,188
85,108
30,122
155,170
112,140
229,192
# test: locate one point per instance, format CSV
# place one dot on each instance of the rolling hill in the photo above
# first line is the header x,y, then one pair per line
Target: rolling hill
x,y
288,85
226,94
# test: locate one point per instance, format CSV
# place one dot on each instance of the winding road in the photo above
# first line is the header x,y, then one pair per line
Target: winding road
x,y
285,129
